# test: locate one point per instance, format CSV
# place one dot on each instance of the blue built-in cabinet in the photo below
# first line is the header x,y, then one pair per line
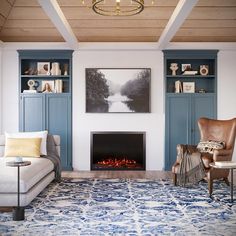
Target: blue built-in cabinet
x,y
47,111
183,109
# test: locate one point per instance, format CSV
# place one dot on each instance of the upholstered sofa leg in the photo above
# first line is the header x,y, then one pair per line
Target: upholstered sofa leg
x,y
174,179
226,181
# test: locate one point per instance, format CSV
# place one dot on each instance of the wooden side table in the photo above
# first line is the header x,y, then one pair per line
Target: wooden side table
x,y
18,212
231,167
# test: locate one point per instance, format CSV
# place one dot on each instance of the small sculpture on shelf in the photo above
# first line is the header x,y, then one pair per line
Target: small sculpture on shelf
x,y
204,69
30,71
65,69
174,67
31,84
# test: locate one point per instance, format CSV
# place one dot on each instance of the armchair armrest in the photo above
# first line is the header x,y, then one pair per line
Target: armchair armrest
x,y
181,148
222,155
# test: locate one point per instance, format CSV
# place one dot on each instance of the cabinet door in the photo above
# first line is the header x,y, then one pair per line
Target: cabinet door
x,y
178,130
203,105
58,121
32,112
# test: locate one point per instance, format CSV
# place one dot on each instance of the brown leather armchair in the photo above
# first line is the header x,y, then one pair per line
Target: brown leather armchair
x,y
217,130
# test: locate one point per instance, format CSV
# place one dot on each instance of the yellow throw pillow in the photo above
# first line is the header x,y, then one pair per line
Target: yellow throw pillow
x,y
27,147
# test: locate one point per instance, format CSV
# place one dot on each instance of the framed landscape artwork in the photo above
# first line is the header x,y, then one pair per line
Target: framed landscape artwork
x,y
118,90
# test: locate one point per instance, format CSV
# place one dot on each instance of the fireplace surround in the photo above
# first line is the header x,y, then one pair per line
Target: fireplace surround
x,y
118,150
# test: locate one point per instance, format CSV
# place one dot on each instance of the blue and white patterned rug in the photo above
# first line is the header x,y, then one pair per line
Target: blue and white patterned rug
x,y
125,207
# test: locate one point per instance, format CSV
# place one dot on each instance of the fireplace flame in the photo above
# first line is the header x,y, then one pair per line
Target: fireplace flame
x,y
117,163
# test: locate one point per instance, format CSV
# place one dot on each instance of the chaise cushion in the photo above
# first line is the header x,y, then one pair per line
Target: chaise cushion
x,y
29,175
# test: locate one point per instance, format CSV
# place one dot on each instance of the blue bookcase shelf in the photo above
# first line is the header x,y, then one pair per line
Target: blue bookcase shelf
x,y
47,111
182,110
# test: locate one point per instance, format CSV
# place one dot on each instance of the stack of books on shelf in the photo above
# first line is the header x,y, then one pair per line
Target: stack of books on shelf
x,y
190,72
58,86
225,163
30,91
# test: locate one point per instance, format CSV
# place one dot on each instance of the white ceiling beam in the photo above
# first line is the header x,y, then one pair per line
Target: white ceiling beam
x,y
181,12
54,12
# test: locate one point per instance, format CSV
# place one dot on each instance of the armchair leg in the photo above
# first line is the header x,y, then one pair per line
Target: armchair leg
x,y
174,179
210,186
226,181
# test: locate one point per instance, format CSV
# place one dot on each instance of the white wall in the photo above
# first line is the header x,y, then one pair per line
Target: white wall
x,y
10,93
227,86
0,88
84,123
152,123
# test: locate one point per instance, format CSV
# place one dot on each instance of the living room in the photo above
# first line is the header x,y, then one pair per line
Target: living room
x,y
121,55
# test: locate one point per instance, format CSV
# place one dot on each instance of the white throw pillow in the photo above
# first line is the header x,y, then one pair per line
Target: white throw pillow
x,y
210,145
39,134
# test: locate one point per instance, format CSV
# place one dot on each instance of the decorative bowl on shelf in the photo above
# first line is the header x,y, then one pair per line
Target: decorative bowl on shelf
x,y
202,91
190,72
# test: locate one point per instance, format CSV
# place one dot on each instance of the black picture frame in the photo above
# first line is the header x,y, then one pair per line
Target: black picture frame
x,y
118,90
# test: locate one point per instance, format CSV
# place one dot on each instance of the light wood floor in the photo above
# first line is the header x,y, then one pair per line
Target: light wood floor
x,y
124,174
118,174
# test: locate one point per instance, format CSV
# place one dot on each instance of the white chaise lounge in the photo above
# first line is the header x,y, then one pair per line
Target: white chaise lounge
x,y
33,178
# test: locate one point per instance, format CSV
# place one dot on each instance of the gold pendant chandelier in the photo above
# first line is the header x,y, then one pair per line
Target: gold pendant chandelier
x,y
117,7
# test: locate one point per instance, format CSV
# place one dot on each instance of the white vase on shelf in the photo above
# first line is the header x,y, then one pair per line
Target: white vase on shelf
x,y
55,69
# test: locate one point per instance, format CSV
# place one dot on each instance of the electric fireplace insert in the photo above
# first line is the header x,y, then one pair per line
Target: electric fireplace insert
x,y
118,151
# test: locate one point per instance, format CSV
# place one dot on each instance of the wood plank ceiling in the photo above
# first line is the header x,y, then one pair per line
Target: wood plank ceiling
x,y
209,21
